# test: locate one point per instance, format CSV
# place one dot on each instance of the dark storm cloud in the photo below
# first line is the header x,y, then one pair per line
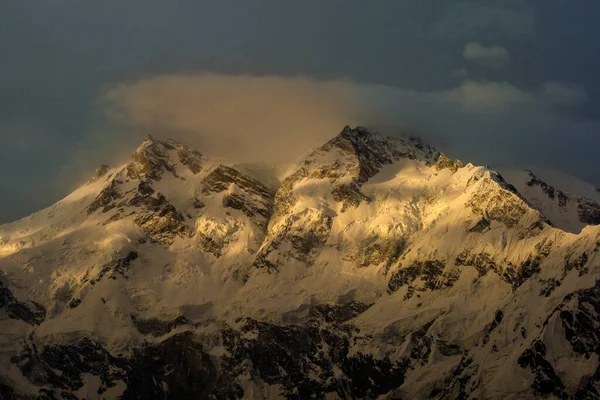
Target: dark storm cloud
x,y
405,59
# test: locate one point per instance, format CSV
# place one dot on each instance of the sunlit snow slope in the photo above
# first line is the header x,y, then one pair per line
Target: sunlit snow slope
x,y
375,267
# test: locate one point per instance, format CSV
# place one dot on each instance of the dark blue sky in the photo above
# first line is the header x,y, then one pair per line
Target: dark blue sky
x,y
59,57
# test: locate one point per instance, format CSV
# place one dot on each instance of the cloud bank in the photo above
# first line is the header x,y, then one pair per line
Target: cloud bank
x,y
243,118
277,119
563,94
488,56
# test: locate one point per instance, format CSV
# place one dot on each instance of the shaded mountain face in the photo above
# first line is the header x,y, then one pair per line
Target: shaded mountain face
x,y
378,268
566,211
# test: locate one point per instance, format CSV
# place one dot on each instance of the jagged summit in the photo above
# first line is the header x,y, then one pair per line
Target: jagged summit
x,y
363,153
148,139
444,162
358,131
374,150
346,162
153,157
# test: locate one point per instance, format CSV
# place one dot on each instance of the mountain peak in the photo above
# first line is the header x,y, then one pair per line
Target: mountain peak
x,y
148,161
368,145
153,156
149,142
444,162
99,173
358,131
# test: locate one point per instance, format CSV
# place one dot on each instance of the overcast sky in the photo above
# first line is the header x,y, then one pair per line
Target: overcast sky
x,y
493,82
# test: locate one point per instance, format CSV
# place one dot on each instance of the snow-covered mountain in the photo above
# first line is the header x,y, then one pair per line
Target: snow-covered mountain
x,y
567,211
376,268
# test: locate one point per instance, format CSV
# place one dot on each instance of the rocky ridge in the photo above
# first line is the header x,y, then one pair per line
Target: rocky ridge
x,y
567,211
